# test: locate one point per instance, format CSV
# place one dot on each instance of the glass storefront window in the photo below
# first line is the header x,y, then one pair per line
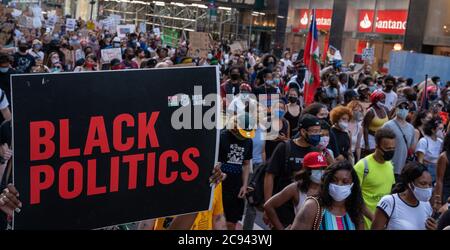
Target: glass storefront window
x,y
374,23
437,30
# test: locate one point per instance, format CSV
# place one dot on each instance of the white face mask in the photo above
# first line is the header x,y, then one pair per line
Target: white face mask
x,y
244,96
316,176
324,140
343,125
422,194
440,134
339,193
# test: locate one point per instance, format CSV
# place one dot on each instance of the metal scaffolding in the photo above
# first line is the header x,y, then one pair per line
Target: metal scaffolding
x,y
178,16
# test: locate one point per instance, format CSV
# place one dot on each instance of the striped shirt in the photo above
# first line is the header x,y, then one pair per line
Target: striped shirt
x,y
333,222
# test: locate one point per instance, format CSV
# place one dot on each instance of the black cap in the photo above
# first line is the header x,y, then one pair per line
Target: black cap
x,y
350,93
308,120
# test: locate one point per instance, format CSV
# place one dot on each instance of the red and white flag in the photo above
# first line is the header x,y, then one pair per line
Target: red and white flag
x,y
312,61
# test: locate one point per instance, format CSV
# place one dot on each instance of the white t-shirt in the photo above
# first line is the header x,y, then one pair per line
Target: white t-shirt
x,y
403,216
430,148
391,99
3,100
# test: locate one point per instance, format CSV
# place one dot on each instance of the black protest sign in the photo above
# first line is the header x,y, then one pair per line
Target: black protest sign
x,y
98,149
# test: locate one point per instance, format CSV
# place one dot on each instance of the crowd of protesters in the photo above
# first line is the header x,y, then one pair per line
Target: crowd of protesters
x,y
371,152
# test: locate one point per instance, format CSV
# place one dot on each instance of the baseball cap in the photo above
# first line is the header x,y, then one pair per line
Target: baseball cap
x,y
362,87
307,121
246,125
314,160
350,93
245,87
401,100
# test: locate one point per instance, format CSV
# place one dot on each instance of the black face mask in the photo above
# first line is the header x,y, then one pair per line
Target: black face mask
x,y
412,97
388,155
292,99
234,77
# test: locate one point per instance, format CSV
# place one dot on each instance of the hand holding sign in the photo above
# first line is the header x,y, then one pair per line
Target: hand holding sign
x,y
9,201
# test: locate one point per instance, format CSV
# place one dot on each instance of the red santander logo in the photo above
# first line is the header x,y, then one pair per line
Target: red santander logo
x,y
387,21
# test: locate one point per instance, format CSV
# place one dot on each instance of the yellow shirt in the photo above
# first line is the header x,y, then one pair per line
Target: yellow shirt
x,y
377,183
377,122
204,220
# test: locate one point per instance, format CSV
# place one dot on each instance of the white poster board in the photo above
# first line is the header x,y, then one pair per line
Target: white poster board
x,y
123,30
368,54
70,24
109,54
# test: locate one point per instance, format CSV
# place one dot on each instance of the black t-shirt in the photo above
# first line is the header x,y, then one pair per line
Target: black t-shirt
x,y
284,174
277,163
293,122
23,63
233,151
270,145
342,141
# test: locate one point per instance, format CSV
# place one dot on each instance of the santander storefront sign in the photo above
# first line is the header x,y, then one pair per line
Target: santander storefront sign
x,y
388,21
323,19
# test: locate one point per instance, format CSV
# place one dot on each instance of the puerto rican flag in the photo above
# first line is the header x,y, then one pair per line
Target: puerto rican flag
x,y
312,61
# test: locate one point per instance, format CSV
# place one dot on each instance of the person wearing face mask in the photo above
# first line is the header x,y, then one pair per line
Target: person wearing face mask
x,y
287,159
23,62
116,42
411,95
231,88
286,62
269,88
404,139
332,92
53,63
429,147
374,119
35,50
245,101
376,172
269,61
279,124
389,93
339,204
235,154
354,125
5,72
90,64
408,208
340,117
307,183
293,109
140,57
128,62
419,122
325,141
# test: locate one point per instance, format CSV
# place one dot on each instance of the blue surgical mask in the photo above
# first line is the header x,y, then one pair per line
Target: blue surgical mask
x,y
280,113
402,113
4,69
313,140
316,176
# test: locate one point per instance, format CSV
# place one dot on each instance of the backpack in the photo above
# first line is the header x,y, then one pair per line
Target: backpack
x,y
255,194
